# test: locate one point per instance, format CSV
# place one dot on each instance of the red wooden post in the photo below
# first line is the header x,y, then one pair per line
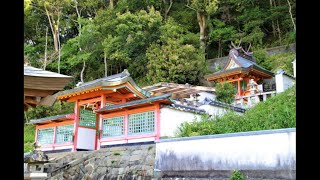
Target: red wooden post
x,y
239,88
54,136
126,123
102,104
76,124
157,120
36,135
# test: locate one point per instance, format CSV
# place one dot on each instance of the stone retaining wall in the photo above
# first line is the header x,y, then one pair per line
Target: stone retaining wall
x,y
124,162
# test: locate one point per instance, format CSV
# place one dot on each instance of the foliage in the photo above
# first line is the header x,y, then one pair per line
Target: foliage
x,y
173,60
275,62
225,92
29,134
275,113
45,111
236,175
121,37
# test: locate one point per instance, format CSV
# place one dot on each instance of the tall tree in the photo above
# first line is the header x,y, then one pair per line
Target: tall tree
x,y
171,59
204,9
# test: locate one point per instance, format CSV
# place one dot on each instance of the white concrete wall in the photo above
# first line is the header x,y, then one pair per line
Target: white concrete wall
x,y
283,82
170,120
256,150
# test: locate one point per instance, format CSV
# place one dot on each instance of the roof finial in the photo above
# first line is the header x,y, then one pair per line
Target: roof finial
x,y
125,71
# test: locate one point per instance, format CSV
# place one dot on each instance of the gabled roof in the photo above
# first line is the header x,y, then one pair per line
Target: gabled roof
x,y
52,118
136,102
239,62
32,71
110,81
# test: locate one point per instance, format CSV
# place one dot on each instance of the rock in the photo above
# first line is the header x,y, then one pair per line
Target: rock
x,y
89,169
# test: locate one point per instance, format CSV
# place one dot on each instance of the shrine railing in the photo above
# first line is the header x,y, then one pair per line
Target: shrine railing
x,y
250,100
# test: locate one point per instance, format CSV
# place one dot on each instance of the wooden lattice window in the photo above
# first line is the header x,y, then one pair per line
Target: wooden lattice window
x,y
45,136
87,118
109,104
141,123
64,133
113,127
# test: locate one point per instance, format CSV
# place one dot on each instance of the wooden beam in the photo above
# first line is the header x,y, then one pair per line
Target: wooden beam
x,y
30,100
88,95
36,92
118,95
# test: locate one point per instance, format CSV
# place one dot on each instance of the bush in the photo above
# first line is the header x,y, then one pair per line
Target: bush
x,y
236,175
275,113
225,92
29,134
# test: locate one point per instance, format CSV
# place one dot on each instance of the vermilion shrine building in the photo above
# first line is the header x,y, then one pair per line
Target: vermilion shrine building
x,y
115,110
239,70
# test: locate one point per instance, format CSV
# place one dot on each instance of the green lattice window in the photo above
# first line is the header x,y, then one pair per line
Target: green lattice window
x,y
64,133
109,104
113,127
87,118
141,123
45,136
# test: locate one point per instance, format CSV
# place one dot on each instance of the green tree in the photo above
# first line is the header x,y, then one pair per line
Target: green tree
x,y
204,9
225,92
171,60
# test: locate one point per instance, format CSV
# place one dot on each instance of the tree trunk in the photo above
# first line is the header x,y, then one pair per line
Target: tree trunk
x,y
202,25
59,56
45,51
79,16
294,25
279,32
272,22
219,47
105,65
167,10
58,38
54,31
84,66
111,5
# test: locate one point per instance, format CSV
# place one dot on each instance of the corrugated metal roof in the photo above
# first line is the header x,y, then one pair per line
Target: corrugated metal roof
x,y
136,102
32,71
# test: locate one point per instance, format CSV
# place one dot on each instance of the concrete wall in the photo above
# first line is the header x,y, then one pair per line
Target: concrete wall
x,y
283,82
270,153
171,120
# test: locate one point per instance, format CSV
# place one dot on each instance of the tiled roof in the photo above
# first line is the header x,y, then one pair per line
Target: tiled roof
x,y
32,71
106,81
51,118
185,108
221,104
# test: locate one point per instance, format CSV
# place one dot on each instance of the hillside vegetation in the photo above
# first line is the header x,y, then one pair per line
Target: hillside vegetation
x,y
166,39
275,113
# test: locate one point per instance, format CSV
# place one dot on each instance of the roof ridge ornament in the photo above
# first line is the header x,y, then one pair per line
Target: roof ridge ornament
x,y
125,71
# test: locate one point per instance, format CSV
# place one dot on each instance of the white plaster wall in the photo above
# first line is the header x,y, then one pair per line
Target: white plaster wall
x,y
213,110
86,138
279,83
272,151
283,82
287,82
170,120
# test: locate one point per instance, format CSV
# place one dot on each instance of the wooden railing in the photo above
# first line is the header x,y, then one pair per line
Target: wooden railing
x,y
250,100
